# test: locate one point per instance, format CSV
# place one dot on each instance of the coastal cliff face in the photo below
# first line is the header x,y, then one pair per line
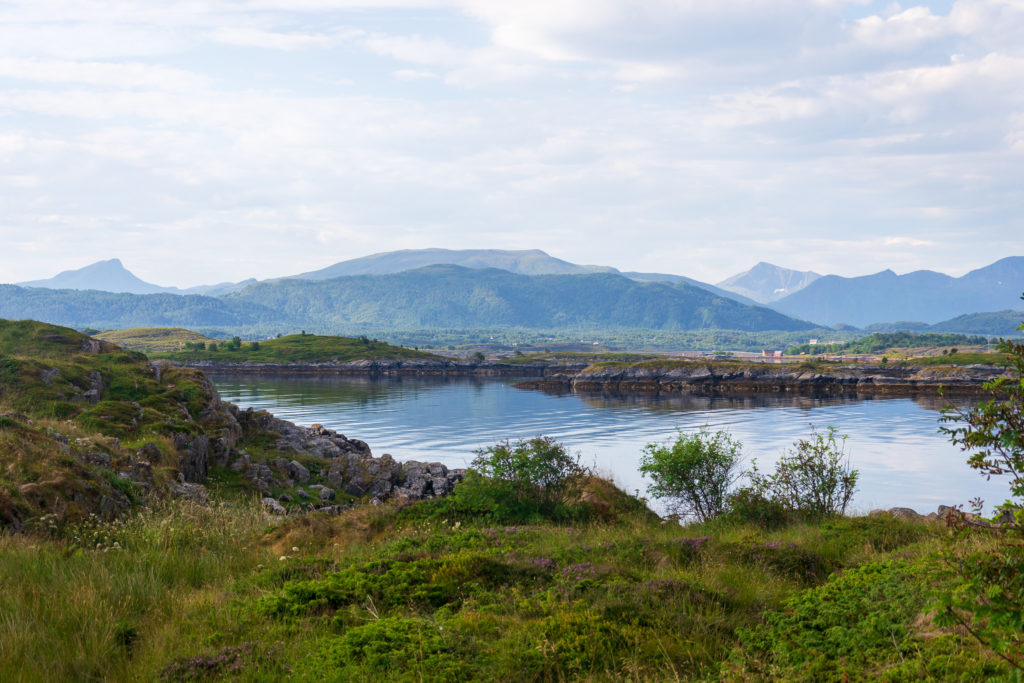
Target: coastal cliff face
x,y
712,378
698,377
388,367
87,428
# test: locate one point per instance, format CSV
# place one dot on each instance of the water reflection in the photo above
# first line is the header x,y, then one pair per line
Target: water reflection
x,y
895,443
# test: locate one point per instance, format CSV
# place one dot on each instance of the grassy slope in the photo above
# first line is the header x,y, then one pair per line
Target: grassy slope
x,y
447,297
880,342
400,594
154,339
298,348
51,429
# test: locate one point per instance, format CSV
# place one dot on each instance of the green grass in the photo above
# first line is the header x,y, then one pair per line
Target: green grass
x,y
955,360
299,348
154,339
54,426
577,356
880,342
393,593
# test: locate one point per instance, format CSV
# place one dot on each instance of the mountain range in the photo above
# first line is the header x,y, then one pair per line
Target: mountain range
x,y
432,297
474,290
923,295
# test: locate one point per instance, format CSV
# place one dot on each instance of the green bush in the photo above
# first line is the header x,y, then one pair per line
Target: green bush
x,y
988,594
521,480
747,505
694,473
862,620
813,479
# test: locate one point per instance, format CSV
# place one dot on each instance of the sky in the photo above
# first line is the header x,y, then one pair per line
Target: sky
x,y
203,141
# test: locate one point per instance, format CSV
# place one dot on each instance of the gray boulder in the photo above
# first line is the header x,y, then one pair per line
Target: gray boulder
x,y
273,506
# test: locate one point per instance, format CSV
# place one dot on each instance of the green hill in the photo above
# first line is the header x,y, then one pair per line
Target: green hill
x,y
884,341
455,297
76,410
299,348
106,310
155,339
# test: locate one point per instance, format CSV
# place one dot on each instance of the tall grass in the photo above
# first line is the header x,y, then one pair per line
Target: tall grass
x,y
116,601
185,592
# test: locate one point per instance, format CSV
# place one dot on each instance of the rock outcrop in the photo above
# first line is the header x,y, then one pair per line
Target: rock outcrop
x,y
723,378
349,467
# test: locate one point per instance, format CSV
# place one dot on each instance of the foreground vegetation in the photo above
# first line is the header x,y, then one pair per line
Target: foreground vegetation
x,y
185,592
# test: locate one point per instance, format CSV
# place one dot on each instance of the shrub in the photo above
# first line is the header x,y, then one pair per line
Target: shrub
x,y
813,478
863,617
751,506
520,480
988,594
694,473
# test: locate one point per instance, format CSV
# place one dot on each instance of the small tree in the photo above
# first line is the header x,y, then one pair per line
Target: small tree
x,y
521,479
813,478
994,430
987,598
694,473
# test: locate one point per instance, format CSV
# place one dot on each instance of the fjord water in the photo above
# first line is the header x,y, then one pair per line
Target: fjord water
x,y
895,444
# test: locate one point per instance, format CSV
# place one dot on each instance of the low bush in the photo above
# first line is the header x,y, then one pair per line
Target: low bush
x,y
813,479
749,506
860,623
527,479
694,473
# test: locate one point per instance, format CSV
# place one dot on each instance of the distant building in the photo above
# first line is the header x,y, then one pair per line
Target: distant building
x,y
813,342
777,354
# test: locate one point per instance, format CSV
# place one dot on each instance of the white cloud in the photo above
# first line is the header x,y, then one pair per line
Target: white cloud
x,y
608,131
121,75
255,37
903,30
415,49
414,75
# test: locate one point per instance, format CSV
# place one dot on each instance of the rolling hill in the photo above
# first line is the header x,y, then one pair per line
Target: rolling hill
x,y
108,310
525,262
447,296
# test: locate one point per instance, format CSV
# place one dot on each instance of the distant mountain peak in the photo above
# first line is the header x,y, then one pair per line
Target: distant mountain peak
x,y
766,282
108,275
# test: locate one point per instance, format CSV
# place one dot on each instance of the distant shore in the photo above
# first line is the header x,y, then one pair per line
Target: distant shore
x,y
762,378
670,377
394,368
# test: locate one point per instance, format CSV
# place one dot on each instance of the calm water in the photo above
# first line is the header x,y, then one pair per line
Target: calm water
x,y
895,443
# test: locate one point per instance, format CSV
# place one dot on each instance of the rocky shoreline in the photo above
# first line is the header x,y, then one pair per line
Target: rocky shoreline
x,y
394,368
720,379
674,377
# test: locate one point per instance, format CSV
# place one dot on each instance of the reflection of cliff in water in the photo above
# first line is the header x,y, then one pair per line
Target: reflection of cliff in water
x,y
309,389
695,403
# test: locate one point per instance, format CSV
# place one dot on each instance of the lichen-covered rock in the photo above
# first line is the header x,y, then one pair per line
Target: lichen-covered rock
x,y
193,456
298,472
273,506
197,493
427,480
